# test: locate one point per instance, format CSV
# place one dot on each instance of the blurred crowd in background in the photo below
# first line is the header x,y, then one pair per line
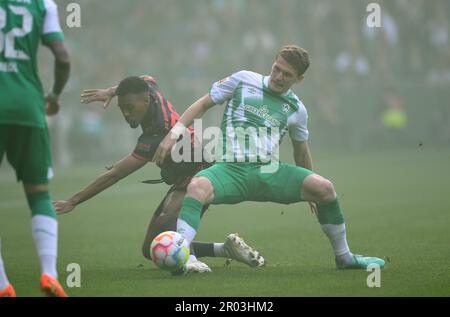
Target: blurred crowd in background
x,y
367,88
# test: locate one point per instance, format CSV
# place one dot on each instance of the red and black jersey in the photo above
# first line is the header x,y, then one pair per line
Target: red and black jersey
x,y
162,116
159,120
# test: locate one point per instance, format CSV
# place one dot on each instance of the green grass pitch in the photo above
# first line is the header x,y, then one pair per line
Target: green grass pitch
x,y
396,204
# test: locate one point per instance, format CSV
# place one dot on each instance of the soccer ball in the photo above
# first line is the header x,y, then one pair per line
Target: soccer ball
x,y
169,250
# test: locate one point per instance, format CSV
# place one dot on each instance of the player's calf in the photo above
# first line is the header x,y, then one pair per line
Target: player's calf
x,y
164,219
161,223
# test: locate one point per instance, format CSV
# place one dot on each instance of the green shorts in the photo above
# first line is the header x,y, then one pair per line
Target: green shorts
x,y
28,151
237,182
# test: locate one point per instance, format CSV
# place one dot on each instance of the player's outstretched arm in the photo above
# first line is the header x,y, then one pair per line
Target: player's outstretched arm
x,y
195,111
119,170
61,74
102,95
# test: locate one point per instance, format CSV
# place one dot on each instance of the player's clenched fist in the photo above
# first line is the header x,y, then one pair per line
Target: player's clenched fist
x,y
52,104
63,206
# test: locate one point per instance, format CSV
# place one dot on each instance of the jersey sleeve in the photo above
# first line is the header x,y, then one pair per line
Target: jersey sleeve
x,y
298,124
223,90
146,147
51,29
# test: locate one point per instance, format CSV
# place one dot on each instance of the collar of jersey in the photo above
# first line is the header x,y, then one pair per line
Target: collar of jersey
x,y
266,85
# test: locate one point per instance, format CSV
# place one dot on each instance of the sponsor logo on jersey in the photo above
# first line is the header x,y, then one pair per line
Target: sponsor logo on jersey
x,y
263,113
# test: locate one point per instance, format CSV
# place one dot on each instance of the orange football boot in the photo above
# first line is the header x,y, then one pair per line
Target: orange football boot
x,y
8,291
51,287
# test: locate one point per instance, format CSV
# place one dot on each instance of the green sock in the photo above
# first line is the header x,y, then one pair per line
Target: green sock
x,y
332,223
40,204
330,213
191,212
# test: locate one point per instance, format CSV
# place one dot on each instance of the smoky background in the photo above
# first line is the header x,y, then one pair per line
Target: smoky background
x,y
367,89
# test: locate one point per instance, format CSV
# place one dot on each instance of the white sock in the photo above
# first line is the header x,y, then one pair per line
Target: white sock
x,y
191,258
219,250
186,230
45,234
338,239
3,278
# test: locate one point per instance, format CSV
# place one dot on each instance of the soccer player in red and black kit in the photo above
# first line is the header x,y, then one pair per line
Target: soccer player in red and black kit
x,y
143,105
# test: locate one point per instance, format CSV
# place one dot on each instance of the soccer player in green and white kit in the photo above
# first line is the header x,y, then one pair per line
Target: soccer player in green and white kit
x,y
254,101
23,130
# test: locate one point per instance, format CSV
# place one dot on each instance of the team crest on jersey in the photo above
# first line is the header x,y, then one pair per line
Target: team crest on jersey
x,y
285,108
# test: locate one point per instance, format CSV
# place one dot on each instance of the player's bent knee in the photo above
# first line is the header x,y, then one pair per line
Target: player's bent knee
x,y
318,189
201,189
327,192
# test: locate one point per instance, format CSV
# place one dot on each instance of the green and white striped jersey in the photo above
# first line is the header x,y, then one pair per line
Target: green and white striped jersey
x,y
255,119
23,24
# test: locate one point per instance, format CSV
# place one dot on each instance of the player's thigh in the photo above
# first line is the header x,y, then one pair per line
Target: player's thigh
x,y
229,182
28,151
282,186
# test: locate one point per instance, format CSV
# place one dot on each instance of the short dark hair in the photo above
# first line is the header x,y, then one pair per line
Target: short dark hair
x,y
295,56
132,85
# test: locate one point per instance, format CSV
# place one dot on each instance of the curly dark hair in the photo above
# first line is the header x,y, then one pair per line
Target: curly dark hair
x,y
131,85
137,85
